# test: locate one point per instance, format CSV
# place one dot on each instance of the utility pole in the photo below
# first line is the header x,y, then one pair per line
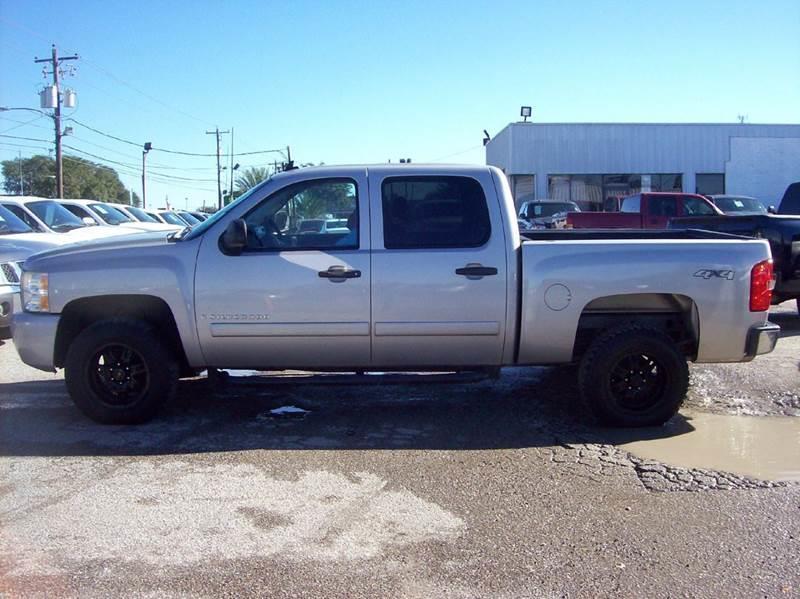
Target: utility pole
x,y
217,132
55,62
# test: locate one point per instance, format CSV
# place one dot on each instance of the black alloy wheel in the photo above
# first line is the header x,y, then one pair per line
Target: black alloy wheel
x,y
119,375
637,382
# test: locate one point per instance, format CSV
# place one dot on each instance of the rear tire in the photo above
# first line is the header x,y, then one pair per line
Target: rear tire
x,y
633,376
118,372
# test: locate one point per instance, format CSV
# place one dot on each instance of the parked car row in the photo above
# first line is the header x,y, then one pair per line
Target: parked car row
x,y
31,224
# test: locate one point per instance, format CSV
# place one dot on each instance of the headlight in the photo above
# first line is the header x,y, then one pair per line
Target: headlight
x,y
35,297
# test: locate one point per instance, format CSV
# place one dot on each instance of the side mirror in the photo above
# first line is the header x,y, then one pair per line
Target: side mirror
x,y
89,221
234,239
772,210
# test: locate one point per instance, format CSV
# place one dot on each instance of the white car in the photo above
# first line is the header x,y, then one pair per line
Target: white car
x,y
17,242
48,216
94,212
171,217
143,216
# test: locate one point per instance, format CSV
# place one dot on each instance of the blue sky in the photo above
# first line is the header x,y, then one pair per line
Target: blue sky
x,y
345,82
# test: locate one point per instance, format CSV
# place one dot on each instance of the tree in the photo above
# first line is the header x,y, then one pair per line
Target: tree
x,y
38,176
251,177
82,179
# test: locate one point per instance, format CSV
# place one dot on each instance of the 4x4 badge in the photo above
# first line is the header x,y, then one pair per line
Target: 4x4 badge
x,y
709,273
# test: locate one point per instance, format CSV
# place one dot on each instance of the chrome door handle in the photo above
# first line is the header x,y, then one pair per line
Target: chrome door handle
x,y
338,272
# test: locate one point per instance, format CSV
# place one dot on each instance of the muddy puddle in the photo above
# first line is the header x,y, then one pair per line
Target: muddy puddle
x,y
761,447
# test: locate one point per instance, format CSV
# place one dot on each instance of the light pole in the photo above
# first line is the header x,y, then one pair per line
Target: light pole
x,y
21,181
147,147
234,168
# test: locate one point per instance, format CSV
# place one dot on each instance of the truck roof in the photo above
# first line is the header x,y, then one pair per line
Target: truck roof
x,y
405,169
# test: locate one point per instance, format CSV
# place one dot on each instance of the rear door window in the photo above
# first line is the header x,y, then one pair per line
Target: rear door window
x,y
434,212
662,206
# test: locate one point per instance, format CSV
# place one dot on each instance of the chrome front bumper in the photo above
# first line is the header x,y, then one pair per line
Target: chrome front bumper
x,y
761,339
35,338
9,303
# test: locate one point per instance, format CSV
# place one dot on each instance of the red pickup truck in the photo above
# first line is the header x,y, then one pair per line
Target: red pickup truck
x,y
651,210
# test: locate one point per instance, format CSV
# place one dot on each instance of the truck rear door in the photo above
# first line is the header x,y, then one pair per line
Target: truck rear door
x,y
439,269
293,298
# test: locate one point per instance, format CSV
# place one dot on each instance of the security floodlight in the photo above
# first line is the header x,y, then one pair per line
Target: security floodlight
x,y
525,112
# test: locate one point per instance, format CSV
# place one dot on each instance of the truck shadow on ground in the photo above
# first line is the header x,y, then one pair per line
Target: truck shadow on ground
x,y
533,407
788,321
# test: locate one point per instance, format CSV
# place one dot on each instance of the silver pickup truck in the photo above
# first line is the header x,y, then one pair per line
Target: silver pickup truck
x,y
421,268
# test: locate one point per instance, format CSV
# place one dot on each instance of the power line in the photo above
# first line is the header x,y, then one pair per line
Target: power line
x,y
120,169
162,166
179,152
23,123
25,138
6,143
127,164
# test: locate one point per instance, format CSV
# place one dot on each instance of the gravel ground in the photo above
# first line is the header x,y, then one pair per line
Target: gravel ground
x,y
413,489
769,385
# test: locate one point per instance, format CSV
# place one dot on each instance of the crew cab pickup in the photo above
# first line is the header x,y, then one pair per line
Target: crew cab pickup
x,y
651,210
432,275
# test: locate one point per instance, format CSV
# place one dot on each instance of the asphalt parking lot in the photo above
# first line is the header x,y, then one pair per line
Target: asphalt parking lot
x,y
410,487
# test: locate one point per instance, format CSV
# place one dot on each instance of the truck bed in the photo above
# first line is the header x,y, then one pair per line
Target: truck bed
x,y
569,274
629,234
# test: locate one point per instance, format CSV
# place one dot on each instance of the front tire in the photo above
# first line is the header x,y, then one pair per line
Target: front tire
x,y
118,372
633,376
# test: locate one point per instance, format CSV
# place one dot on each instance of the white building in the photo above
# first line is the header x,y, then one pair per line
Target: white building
x,y
591,162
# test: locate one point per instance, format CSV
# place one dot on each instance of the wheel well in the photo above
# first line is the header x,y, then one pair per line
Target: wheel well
x,y
79,314
674,314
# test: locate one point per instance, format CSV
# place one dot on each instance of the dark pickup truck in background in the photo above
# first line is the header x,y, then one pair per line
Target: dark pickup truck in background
x,y
790,204
650,210
781,231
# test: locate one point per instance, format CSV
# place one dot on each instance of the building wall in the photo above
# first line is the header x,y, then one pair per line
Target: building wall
x,y
762,168
764,156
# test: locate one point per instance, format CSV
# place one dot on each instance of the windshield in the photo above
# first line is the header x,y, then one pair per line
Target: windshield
x,y
173,219
55,216
141,215
11,224
549,209
189,218
209,222
740,205
110,214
